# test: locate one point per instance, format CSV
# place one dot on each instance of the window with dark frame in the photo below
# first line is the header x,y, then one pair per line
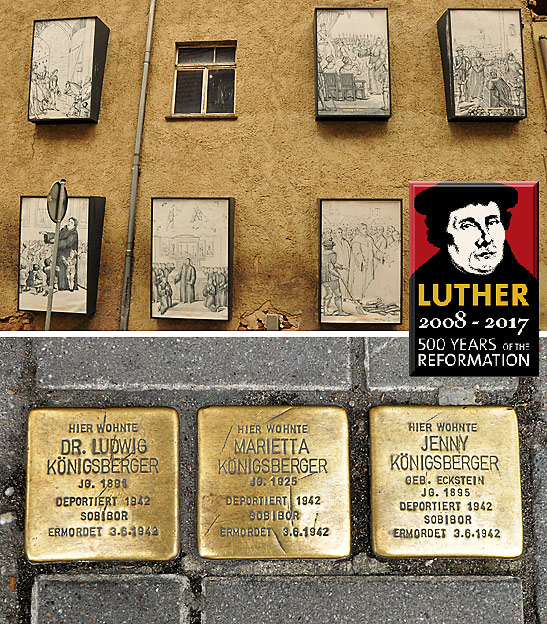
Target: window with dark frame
x,y
205,77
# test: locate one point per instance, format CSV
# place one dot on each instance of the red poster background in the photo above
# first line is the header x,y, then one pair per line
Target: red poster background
x,y
522,234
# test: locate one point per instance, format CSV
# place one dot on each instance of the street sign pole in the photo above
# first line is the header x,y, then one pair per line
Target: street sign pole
x,y
57,201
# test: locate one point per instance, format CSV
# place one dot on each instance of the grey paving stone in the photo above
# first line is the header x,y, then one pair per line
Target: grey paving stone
x,y
386,366
13,410
13,427
13,352
124,599
13,405
8,599
10,547
370,600
539,477
270,363
11,543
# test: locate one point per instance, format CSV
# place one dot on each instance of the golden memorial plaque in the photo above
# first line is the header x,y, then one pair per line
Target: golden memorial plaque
x,y
445,482
102,484
273,482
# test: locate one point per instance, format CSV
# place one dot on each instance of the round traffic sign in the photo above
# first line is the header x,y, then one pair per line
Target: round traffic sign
x,y
57,201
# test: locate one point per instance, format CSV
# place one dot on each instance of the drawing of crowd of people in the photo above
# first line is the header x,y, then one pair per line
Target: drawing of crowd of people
x,y
488,83
352,71
358,271
35,268
172,285
62,65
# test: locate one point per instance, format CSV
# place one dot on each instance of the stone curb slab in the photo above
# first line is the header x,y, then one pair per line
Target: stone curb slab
x,y
109,599
386,366
237,363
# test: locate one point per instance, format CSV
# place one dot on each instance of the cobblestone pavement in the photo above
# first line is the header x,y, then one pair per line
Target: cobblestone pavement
x,y
189,373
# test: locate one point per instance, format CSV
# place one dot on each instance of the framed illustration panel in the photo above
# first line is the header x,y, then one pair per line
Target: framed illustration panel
x,y
78,256
483,64
67,67
352,72
360,260
191,273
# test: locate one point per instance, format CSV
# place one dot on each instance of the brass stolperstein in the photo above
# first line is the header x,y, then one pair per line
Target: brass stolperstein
x,y
102,484
445,482
273,482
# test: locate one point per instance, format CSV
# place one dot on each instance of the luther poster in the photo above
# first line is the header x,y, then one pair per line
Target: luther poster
x,y
474,279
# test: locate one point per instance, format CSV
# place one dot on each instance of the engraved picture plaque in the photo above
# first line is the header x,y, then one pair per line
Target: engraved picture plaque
x,y
67,68
483,64
102,484
273,482
360,265
352,64
445,481
77,261
192,258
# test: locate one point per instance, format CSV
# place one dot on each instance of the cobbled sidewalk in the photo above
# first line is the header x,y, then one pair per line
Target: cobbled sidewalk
x,y
189,373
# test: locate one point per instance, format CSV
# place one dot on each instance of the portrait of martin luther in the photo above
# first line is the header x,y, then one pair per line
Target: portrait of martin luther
x,y
475,264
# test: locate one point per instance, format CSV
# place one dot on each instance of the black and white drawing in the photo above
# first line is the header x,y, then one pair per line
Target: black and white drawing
x,y
191,258
75,273
483,64
68,57
36,262
352,63
360,261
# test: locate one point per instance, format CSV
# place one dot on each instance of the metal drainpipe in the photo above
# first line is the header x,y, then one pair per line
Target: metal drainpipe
x,y
543,48
128,271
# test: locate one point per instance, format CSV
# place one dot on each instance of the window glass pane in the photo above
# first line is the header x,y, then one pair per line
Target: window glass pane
x,y
220,91
188,91
226,55
195,55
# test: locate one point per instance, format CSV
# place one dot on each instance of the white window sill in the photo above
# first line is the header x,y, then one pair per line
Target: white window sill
x,y
199,116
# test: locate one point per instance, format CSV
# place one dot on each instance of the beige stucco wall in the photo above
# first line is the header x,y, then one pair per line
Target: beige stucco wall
x,y
275,159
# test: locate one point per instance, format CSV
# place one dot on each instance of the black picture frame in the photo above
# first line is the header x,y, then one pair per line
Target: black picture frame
x,y
95,220
45,93
209,316
371,87
482,82
385,312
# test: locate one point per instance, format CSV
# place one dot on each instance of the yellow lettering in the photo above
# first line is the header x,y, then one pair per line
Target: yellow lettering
x,y
501,293
448,295
486,293
461,290
519,292
421,298
483,297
